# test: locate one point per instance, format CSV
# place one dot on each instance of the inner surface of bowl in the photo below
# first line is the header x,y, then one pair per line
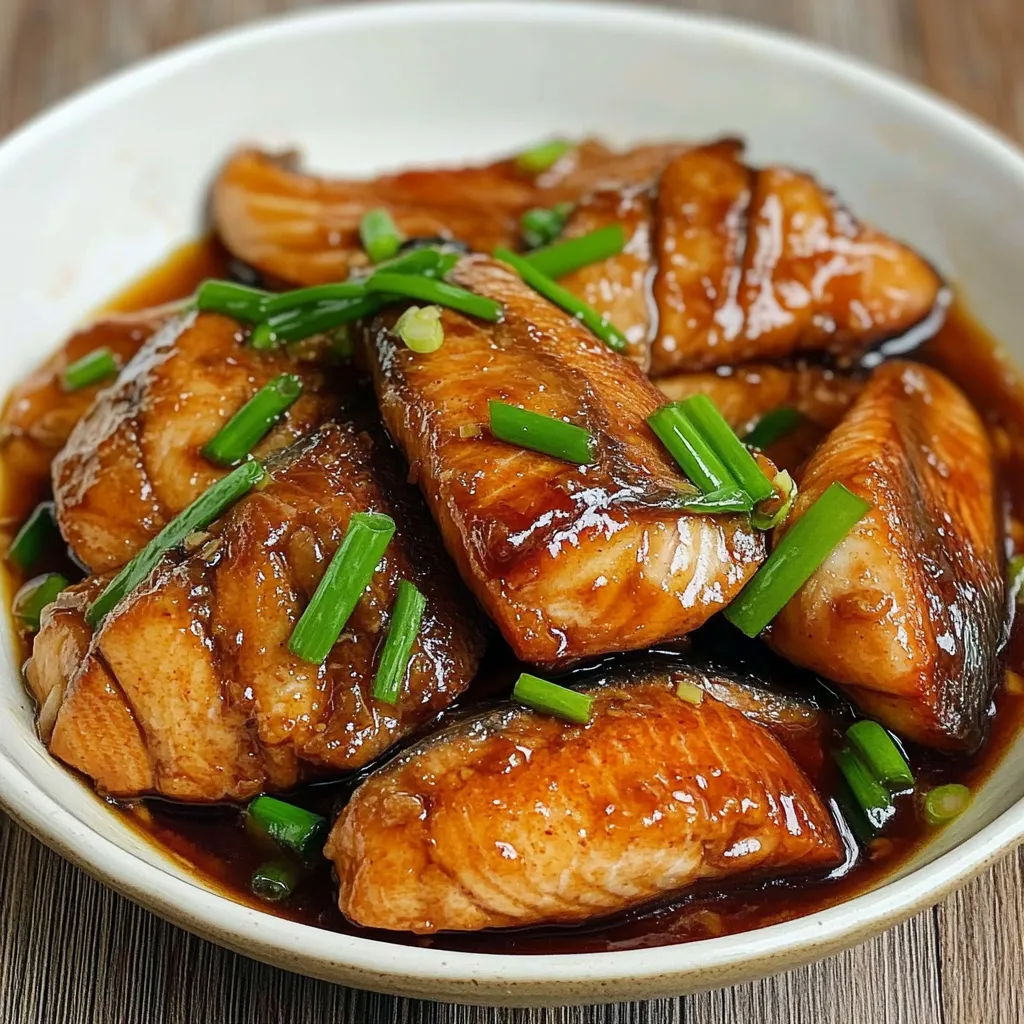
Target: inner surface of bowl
x,y
110,184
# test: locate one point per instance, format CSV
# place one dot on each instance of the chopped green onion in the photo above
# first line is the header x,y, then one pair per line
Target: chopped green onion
x,y
541,226
303,322
542,157
1015,576
541,433
944,803
211,504
406,616
566,257
307,297
427,260
552,699
554,292
292,827
93,367
35,595
741,464
880,753
234,300
253,421
421,329
380,236
725,499
344,582
438,292
871,796
854,816
803,548
275,881
769,520
685,443
35,535
773,425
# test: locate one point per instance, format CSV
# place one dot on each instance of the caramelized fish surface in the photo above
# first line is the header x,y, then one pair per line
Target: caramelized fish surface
x,y
907,613
569,561
514,818
188,689
134,460
761,264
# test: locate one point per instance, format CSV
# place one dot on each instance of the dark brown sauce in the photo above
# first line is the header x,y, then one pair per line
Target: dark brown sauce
x,y
215,844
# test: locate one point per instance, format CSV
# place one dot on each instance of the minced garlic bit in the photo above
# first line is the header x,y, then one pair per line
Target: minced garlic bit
x,y
689,692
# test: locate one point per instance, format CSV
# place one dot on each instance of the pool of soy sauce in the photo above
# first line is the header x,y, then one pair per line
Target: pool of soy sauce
x,y
219,848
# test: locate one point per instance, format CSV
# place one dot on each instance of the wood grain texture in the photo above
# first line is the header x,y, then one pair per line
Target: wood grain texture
x,y
73,951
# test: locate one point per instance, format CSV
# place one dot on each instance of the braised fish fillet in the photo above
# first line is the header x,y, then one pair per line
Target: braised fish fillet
x,y
514,818
188,689
134,460
760,264
906,614
569,561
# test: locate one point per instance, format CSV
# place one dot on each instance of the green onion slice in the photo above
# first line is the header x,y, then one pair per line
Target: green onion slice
x,y
763,520
34,537
211,504
803,548
541,158
95,366
301,298
234,300
428,260
344,582
541,226
404,627
725,499
379,234
772,426
541,433
438,292
552,699
944,803
879,752
871,796
35,595
576,253
688,446
253,421
562,297
421,329
292,827
1015,576
275,881
305,321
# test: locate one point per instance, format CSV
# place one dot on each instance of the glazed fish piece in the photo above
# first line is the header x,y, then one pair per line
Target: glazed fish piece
x,y
514,818
762,264
561,556
134,460
906,613
188,689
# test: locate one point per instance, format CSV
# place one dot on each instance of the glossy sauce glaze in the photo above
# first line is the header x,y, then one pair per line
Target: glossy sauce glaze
x,y
215,843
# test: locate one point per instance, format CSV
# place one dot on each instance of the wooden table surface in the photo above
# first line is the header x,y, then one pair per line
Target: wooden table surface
x,y
70,950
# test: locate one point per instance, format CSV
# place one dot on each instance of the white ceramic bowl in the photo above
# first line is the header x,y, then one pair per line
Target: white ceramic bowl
x,y
108,183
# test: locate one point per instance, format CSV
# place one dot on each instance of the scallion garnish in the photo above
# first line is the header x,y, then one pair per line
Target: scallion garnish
x,y
292,827
541,433
554,292
871,796
427,260
253,421
685,443
35,535
379,234
762,520
275,881
879,752
552,699
235,300
428,289
305,321
541,226
1015,576
725,499
406,616
576,253
35,595
299,298
344,582
421,329
773,425
211,504
803,548
944,803
95,366
542,157
741,464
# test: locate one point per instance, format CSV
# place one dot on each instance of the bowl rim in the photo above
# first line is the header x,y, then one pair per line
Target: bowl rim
x,y
375,963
